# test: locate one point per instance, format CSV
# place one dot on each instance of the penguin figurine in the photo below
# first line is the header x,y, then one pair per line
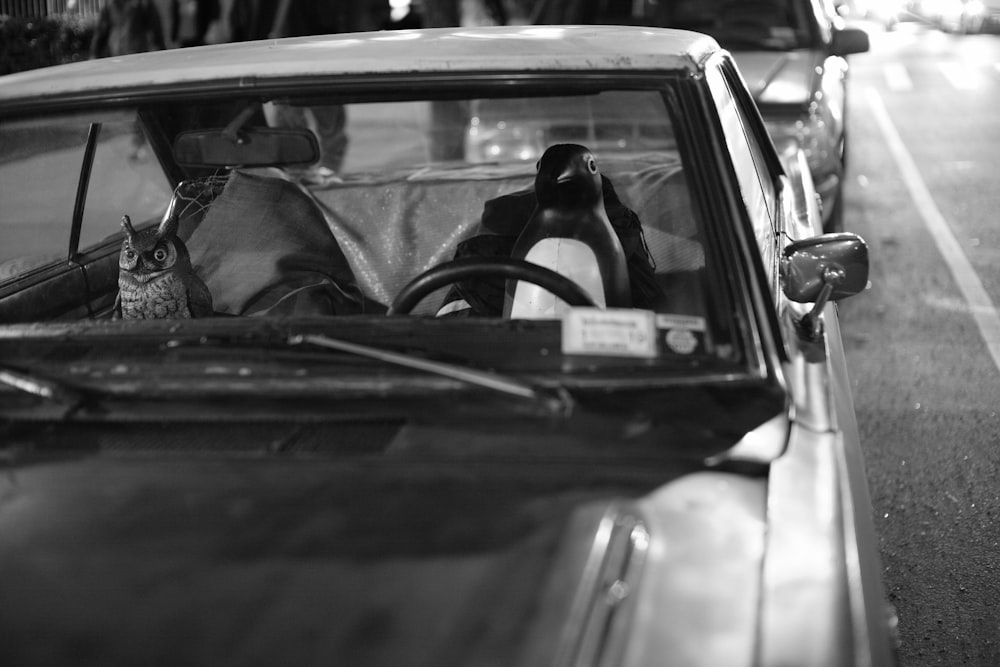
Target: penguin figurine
x,y
570,233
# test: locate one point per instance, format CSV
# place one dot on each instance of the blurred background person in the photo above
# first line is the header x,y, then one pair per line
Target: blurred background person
x,y
272,19
450,13
127,26
124,27
190,21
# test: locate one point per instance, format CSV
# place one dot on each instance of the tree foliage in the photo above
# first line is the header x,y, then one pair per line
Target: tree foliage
x,y
31,43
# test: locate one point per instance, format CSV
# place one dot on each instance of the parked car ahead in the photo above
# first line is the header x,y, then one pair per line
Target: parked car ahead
x,y
362,450
963,16
888,13
793,55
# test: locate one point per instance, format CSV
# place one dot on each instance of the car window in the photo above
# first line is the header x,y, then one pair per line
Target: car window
x,y
757,186
41,161
39,172
126,179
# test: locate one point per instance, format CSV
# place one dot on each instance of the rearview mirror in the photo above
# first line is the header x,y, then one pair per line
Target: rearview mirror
x,y
249,147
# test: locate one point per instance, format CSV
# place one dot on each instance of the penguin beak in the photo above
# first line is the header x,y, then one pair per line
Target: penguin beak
x,y
565,177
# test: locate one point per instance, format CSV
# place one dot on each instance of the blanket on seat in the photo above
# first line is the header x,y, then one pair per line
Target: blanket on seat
x,y
393,230
264,248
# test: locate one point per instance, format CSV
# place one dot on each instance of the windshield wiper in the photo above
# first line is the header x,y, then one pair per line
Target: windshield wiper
x,y
51,390
557,402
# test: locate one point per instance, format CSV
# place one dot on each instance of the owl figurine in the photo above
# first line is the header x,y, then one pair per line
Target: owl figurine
x,y
155,276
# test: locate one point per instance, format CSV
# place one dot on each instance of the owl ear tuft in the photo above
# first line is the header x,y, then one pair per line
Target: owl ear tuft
x,y
127,226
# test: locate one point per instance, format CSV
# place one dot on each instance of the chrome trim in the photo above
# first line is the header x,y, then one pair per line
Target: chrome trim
x,y
806,614
597,627
761,445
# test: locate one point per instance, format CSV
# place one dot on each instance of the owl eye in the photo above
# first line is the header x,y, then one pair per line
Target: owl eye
x,y
592,166
130,253
160,254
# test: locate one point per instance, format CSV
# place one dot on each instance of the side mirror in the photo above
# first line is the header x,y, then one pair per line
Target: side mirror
x,y
849,40
823,268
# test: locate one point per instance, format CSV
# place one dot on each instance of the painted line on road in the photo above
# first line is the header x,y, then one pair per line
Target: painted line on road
x,y
897,78
969,284
960,76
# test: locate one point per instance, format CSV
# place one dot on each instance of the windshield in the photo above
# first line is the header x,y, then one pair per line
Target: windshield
x,y
405,223
736,24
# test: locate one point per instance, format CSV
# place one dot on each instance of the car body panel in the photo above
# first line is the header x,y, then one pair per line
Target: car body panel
x,y
252,544
433,51
824,512
806,85
733,550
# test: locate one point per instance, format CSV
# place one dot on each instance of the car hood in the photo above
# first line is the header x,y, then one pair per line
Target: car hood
x,y
114,557
787,77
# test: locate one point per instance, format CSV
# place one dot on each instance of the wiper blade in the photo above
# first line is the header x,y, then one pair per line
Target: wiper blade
x,y
51,390
557,402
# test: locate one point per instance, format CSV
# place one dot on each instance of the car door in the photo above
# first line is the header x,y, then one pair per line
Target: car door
x,y
66,180
765,192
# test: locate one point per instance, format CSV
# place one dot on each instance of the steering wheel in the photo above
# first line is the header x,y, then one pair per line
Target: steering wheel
x,y
441,275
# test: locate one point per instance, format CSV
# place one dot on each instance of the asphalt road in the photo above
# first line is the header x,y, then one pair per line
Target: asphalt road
x,y
924,341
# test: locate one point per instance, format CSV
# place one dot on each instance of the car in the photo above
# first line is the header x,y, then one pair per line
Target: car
x,y
964,16
510,345
793,55
985,16
888,13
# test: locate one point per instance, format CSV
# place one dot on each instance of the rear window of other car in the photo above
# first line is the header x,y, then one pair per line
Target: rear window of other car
x,y
736,24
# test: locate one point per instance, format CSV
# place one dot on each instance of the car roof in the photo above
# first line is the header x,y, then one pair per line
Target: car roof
x,y
431,51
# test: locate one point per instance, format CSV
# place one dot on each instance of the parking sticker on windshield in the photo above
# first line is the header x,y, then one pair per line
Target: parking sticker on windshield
x,y
612,332
682,334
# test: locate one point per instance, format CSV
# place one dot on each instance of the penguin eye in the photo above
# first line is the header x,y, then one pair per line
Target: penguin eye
x,y
592,166
160,254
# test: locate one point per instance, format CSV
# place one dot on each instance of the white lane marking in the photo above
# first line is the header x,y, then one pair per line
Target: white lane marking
x,y
897,78
960,76
969,284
